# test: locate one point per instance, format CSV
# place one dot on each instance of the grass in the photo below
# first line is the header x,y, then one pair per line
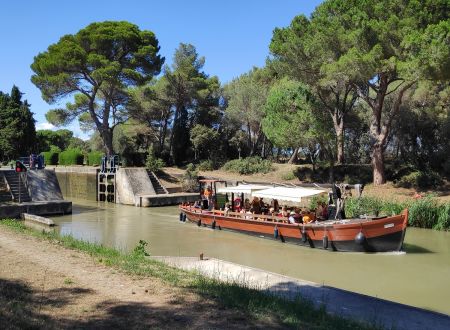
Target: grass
x,y
297,313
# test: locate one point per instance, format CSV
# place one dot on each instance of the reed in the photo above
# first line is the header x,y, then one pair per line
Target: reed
x,y
424,212
296,313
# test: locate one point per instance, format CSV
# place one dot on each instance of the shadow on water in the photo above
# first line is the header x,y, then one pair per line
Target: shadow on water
x,y
412,248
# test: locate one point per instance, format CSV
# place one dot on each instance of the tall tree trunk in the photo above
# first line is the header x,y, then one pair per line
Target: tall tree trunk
x,y
380,128
378,164
107,138
293,158
339,128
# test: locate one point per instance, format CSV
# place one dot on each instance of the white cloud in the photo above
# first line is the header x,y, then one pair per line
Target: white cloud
x,y
46,125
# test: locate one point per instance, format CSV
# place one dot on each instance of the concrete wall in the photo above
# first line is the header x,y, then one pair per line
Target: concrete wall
x,y
77,182
38,208
132,183
43,185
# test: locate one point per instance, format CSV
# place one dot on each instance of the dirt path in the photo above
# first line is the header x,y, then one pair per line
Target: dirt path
x,y
43,285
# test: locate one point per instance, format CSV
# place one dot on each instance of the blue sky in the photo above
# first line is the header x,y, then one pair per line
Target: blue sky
x,y
232,35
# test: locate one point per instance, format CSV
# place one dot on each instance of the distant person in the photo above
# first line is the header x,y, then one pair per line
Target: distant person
x,y
274,204
256,205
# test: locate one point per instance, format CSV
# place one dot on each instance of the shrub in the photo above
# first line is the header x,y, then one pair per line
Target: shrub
x,y
288,176
190,182
419,179
443,221
50,157
315,200
423,212
71,157
249,165
354,207
94,158
206,165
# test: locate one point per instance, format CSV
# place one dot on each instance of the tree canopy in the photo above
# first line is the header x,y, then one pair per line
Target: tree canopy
x,y
17,126
96,66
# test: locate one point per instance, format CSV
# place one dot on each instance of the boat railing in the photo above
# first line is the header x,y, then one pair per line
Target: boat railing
x,y
243,216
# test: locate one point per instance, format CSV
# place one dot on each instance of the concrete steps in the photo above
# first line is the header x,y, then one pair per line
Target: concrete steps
x,y
15,186
159,188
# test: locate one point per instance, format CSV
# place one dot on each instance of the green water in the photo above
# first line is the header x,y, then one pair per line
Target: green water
x,y
420,277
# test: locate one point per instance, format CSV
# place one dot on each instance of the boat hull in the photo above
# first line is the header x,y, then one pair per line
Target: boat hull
x,y
357,235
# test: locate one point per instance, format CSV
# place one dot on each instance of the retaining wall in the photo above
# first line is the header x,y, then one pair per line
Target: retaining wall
x,y
78,182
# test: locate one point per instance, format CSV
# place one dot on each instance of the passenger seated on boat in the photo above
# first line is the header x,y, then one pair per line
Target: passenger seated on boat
x,y
291,217
256,206
247,204
274,205
306,219
237,204
226,209
284,212
198,204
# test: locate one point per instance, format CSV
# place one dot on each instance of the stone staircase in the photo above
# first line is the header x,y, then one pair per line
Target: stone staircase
x,y
5,195
159,188
13,181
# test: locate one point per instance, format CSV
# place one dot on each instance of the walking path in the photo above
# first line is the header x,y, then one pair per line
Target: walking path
x,y
340,302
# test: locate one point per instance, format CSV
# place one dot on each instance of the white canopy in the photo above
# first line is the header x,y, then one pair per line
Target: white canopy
x,y
293,194
242,188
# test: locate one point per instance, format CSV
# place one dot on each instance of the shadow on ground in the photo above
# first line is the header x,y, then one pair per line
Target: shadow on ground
x,y
22,307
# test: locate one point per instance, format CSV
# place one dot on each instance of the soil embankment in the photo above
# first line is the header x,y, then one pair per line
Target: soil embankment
x,y
43,285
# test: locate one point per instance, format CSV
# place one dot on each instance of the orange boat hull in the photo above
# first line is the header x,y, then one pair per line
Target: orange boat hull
x,y
361,235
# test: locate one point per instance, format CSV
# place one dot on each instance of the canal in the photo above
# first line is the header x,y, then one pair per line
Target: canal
x,y
418,277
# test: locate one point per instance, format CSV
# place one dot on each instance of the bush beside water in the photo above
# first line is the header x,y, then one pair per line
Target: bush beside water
x,y
423,212
71,157
94,158
249,165
50,157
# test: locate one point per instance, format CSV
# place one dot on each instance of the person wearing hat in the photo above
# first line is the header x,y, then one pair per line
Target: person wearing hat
x,y
291,217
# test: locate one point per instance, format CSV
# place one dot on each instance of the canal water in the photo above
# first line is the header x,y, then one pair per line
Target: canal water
x,y
418,277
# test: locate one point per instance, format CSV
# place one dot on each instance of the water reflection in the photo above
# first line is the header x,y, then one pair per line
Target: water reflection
x,y
418,277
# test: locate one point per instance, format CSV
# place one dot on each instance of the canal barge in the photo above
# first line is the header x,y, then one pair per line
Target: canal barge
x,y
363,234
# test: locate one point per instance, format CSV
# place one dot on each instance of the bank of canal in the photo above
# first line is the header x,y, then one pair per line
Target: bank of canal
x,y
418,277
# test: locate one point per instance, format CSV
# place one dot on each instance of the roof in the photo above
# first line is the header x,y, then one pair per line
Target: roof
x,y
243,188
287,193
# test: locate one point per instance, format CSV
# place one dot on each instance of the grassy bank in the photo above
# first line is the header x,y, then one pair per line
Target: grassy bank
x,y
298,313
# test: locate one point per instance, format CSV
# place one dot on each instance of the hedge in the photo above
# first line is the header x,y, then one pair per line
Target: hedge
x,y
71,157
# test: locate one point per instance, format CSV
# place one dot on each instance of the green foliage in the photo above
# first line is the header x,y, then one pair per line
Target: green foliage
x,y
152,162
316,200
354,207
139,250
206,165
443,222
71,157
190,178
246,96
17,126
420,180
50,157
288,176
193,95
94,158
205,141
249,165
96,65
424,213
291,118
